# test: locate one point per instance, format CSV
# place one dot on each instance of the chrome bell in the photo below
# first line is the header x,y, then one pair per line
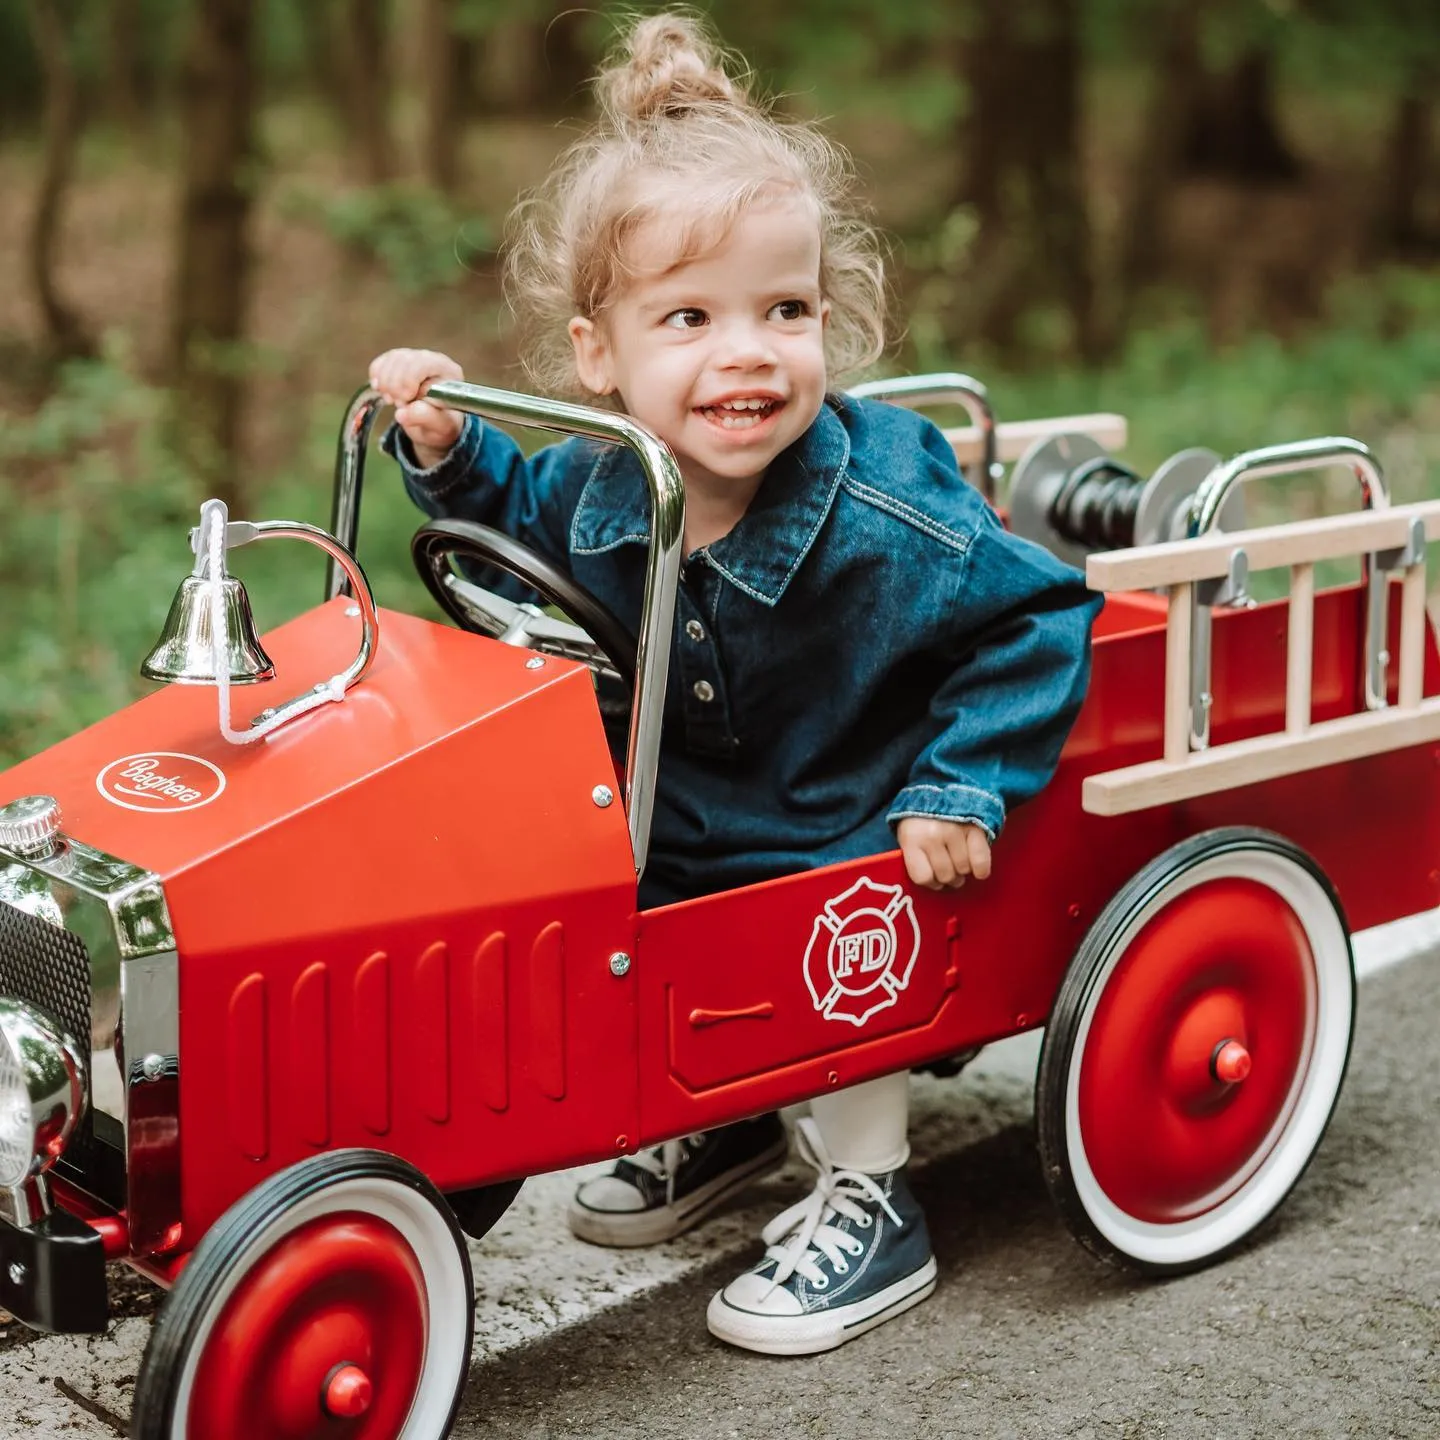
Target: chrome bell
x,y
185,652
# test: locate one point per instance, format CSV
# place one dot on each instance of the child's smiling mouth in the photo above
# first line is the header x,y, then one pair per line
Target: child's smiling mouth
x,y
740,414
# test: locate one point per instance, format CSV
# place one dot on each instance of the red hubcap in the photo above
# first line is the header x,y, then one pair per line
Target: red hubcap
x,y
348,1391
1231,1063
1216,989
325,1335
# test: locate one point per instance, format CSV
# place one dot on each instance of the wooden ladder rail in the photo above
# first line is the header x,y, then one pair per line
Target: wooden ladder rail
x,y
1396,536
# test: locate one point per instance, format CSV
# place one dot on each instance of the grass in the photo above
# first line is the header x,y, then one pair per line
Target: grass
x,y
97,510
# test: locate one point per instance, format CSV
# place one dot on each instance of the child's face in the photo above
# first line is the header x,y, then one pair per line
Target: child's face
x,y
723,355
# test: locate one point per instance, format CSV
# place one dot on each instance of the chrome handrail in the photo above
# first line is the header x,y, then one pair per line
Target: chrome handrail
x,y
667,535
1294,458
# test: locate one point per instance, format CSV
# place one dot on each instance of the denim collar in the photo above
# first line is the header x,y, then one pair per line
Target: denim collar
x,y
772,538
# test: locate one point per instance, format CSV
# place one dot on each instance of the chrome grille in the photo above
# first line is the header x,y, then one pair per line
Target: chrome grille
x,y
50,968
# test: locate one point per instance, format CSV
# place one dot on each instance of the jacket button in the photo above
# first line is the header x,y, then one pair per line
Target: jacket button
x,y
694,629
704,690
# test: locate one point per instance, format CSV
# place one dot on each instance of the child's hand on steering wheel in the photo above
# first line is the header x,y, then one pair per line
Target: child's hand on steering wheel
x,y
942,854
401,377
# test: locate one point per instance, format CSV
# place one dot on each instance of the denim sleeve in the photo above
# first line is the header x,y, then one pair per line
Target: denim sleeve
x,y
1003,715
486,477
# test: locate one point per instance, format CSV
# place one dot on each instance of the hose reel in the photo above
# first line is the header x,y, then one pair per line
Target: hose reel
x,y
1071,496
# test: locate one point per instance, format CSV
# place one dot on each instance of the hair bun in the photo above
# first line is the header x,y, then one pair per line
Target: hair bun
x,y
666,64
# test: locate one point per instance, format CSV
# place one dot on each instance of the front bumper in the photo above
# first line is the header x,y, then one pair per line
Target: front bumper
x,y
52,1274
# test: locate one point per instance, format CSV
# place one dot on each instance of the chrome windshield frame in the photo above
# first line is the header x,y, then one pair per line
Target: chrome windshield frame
x,y
667,536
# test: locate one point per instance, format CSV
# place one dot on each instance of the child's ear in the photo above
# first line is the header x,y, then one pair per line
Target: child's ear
x,y
592,356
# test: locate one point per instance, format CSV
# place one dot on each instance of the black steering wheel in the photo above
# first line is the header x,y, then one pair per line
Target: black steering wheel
x,y
596,637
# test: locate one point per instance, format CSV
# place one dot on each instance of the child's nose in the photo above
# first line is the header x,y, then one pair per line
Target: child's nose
x,y
745,344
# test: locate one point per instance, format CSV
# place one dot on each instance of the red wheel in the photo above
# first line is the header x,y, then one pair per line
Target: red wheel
x,y
335,1298
1196,1050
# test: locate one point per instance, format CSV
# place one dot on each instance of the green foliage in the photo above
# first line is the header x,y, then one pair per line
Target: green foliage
x,y
845,56
476,19
419,237
286,34
157,31
1370,369
97,509
96,503
97,513
72,509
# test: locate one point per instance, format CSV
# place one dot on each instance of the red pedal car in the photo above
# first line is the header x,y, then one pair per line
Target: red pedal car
x,y
282,1022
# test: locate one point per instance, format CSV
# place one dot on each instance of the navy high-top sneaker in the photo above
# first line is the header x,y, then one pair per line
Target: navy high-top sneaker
x,y
662,1192
851,1255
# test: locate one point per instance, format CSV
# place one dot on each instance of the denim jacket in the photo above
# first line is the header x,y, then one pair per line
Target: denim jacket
x,y
866,644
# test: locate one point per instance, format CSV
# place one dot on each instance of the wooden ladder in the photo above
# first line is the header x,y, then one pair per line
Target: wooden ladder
x,y
1393,537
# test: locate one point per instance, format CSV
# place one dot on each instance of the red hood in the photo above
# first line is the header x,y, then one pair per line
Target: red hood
x,y
158,786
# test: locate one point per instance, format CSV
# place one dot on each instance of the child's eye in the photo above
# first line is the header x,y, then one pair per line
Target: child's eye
x,y
689,319
790,310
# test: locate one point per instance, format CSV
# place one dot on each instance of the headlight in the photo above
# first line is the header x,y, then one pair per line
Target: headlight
x,y
42,1090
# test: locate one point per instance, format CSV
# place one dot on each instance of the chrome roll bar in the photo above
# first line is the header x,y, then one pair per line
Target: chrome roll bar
x,y
1291,459
916,391
667,536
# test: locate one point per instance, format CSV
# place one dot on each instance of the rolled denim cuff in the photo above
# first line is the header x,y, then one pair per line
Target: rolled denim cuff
x,y
962,803
445,475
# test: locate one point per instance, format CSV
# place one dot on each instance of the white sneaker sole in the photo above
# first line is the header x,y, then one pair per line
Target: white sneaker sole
x,y
821,1330
627,1229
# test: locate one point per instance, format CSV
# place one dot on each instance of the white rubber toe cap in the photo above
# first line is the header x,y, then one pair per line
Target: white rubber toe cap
x,y
759,1295
610,1196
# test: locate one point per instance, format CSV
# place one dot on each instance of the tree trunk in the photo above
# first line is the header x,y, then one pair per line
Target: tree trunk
x,y
988,66
510,69
1025,175
1234,132
1406,163
318,24
530,67
568,62
440,131
126,82
1056,159
365,48
991,64
214,265
51,21
1162,135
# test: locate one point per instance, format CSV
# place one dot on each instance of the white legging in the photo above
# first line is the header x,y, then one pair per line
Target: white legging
x,y
864,1128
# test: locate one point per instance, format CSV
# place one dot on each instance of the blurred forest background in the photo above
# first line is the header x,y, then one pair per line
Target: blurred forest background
x,y
1222,220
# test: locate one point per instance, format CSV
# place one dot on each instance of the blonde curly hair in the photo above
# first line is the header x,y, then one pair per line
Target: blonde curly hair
x,y
678,131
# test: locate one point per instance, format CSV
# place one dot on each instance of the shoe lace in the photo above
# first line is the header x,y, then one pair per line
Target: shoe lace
x,y
662,1161
805,1227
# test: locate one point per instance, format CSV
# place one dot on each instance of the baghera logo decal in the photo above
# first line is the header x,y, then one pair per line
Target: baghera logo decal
x,y
861,951
160,782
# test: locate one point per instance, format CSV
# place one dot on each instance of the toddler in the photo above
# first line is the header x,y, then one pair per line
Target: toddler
x,y
863,657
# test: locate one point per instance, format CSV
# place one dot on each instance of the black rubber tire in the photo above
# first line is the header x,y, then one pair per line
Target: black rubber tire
x,y
432,545
1094,960
189,1303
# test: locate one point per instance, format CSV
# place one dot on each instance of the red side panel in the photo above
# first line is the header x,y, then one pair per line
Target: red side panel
x,y
763,996
774,993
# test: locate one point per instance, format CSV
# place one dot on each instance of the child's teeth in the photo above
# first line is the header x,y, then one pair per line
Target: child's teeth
x,y
734,414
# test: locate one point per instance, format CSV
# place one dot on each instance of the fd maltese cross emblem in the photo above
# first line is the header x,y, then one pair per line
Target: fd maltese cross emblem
x,y
861,951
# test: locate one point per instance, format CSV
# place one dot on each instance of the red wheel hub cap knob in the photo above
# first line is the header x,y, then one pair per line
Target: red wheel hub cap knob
x,y
347,1391
1231,1062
